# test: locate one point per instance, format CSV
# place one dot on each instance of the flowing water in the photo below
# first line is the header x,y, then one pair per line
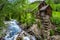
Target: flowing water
x,y
13,30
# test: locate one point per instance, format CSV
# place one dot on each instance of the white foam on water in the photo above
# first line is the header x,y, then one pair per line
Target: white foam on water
x,y
12,30
26,38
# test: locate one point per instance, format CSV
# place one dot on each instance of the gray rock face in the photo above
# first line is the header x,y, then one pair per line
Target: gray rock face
x,y
25,36
55,37
33,30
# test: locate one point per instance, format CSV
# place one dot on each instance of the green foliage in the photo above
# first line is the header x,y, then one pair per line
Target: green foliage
x,y
20,8
28,18
33,6
56,1
55,18
58,7
55,7
52,32
49,1
58,29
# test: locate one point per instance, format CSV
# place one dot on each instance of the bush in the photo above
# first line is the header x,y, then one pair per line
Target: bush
x,y
58,29
55,18
58,7
51,32
27,18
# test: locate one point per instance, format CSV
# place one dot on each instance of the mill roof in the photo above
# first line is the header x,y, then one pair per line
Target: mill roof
x,y
45,7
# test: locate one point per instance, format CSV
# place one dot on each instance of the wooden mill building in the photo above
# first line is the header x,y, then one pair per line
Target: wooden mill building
x,y
44,14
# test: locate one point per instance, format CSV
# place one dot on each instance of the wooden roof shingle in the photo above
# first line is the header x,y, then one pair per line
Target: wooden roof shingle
x,y
45,7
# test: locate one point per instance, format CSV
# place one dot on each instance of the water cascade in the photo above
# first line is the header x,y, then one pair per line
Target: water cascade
x,y
13,31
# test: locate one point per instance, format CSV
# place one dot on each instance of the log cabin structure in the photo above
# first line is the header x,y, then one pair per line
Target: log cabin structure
x,y
44,13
